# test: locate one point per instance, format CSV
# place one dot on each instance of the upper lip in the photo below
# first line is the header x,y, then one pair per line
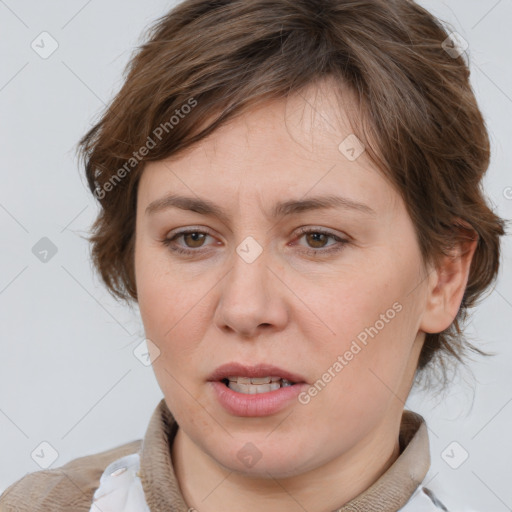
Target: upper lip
x,y
259,370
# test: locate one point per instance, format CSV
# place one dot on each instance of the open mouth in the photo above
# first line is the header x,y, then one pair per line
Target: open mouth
x,y
255,390
255,385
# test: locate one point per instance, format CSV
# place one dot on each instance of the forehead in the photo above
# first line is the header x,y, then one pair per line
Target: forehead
x,y
294,147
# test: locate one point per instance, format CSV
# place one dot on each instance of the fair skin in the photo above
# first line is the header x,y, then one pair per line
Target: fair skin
x,y
296,310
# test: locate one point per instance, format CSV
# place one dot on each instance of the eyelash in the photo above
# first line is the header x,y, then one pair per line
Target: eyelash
x,y
302,231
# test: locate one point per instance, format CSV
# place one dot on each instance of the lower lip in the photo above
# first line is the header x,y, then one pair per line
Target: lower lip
x,y
260,404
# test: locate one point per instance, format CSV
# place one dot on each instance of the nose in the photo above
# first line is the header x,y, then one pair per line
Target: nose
x,y
252,297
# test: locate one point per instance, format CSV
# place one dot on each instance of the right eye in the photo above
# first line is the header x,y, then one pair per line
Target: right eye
x,y
193,237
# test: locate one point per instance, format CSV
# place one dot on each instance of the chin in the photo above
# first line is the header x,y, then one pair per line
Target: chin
x,y
261,459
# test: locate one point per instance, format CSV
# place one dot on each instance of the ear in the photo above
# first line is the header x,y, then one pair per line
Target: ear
x,y
447,283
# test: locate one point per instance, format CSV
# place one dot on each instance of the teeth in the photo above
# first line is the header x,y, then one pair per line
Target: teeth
x,y
260,380
256,385
255,380
253,389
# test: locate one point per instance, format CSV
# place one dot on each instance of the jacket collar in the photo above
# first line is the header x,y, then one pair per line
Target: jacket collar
x,y
388,494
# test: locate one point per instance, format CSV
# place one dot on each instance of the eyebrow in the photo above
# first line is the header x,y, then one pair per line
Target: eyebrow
x,y
281,209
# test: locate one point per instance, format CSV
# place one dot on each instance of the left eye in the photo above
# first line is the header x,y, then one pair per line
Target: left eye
x,y
195,238
317,236
194,235
321,236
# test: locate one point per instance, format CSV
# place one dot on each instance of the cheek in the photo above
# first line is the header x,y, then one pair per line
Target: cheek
x,y
166,296
373,324
359,307
166,307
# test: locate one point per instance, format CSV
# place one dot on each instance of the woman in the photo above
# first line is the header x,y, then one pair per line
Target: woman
x,y
290,191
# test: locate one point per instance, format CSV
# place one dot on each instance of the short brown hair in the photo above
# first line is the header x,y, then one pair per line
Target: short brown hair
x,y
213,59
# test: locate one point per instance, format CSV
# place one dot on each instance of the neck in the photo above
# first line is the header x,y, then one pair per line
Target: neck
x,y
208,487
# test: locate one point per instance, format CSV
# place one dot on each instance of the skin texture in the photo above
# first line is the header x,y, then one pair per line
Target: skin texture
x,y
295,310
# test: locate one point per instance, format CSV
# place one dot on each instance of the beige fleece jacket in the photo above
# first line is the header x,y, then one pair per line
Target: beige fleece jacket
x,y
71,486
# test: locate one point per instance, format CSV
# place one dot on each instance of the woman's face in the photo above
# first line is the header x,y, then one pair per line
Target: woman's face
x,y
339,308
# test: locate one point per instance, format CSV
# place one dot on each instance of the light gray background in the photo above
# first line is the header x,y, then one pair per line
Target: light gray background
x,y
68,375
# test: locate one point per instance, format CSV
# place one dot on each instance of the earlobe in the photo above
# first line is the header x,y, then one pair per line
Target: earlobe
x,y
446,285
